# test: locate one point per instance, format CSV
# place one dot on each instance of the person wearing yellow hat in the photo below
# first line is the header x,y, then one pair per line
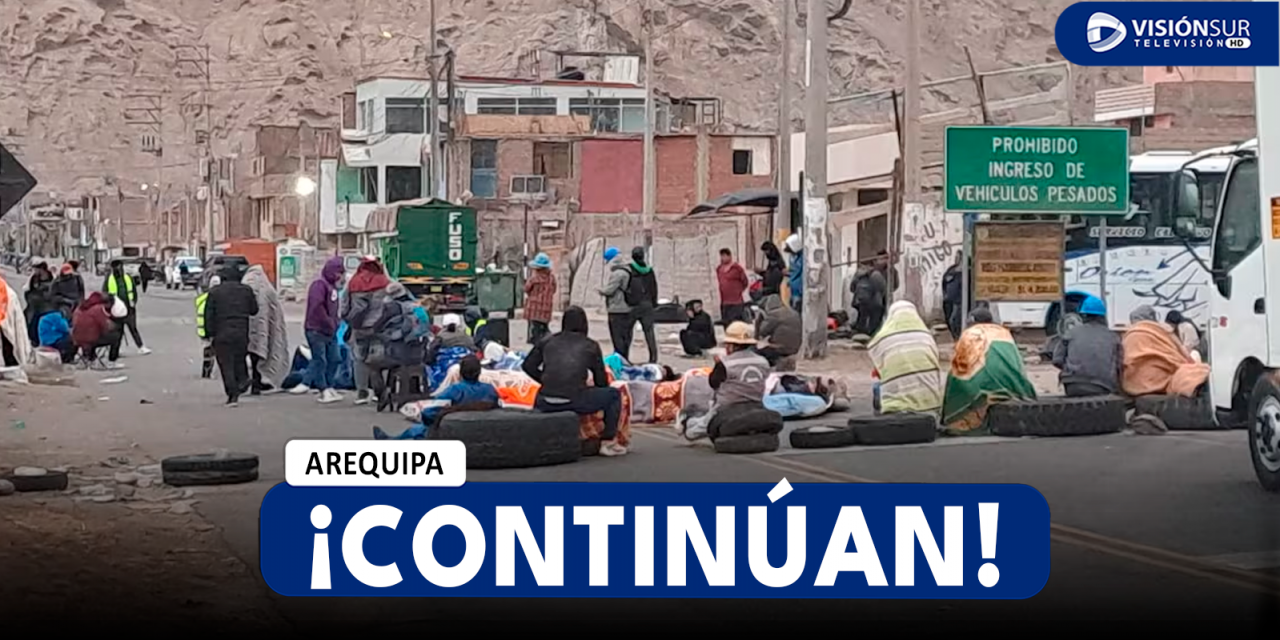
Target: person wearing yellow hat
x,y
738,377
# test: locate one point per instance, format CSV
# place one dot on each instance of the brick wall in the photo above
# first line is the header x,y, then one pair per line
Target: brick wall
x,y
1202,115
612,176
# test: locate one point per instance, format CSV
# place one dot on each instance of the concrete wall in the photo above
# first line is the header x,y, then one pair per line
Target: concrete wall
x,y
930,240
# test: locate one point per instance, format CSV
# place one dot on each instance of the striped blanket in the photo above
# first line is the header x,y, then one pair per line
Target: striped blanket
x,y
906,355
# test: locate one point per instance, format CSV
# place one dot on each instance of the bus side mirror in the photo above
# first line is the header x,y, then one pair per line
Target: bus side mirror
x,y
1185,227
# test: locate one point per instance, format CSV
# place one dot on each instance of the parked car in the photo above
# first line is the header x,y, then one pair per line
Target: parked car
x,y
214,264
173,272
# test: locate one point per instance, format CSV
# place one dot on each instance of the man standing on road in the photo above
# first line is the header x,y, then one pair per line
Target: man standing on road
x,y
322,331
953,296
120,285
539,298
733,282
144,275
227,311
206,351
795,274
642,296
615,296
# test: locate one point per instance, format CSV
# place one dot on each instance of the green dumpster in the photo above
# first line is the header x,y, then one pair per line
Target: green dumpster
x,y
498,291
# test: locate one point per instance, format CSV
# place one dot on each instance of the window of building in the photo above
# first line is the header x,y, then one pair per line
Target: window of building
x,y
553,159
516,106
1135,127
484,168
406,115
404,183
611,115
1240,229
364,115
369,183
872,196
741,162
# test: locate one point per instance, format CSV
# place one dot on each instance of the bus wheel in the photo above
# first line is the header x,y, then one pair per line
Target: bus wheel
x,y
1264,432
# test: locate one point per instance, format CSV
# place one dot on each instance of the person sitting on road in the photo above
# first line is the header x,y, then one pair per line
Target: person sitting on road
x,y
1089,355
1188,332
986,369
468,394
905,356
1155,361
778,330
92,327
737,378
55,334
561,364
700,334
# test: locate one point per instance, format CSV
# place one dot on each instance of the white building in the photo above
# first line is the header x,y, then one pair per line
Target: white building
x,y
386,151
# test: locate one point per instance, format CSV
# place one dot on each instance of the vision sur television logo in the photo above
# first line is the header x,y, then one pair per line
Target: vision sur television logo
x,y
1100,21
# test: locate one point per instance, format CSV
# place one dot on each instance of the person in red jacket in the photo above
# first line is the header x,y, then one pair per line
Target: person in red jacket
x,y
92,327
733,282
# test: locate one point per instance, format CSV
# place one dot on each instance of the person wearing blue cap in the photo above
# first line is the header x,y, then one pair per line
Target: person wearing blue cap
x,y
621,323
539,298
1090,355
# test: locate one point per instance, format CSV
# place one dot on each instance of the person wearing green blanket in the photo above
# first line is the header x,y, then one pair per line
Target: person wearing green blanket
x,y
986,369
906,356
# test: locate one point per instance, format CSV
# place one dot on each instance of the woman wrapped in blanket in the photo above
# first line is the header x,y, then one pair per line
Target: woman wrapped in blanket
x,y
987,369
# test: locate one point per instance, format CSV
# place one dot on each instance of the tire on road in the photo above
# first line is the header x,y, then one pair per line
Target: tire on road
x,y
744,420
1179,413
222,462
822,437
754,443
208,478
50,481
1264,406
1058,416
894,428
512,438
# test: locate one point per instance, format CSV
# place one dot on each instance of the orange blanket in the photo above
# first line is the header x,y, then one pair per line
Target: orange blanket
x,y
518,390
1156,363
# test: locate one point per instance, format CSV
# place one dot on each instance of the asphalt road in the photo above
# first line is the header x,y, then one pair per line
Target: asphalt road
x,y
1159,529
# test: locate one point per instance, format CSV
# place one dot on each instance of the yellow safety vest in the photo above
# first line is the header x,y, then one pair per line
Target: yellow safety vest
x,y
479,323
113,287
200,300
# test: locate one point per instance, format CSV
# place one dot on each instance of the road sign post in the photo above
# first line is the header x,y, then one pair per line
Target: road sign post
x,y
1064,171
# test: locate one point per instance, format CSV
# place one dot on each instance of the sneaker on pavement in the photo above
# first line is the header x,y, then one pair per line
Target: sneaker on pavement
x,y
145,350
362,398
328,396
114,366
612,449
300,389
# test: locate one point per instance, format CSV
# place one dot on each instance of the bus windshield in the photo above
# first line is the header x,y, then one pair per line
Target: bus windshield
x,y
1151,220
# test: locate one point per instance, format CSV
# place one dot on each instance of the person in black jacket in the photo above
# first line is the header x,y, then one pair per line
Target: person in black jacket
x,y
226,320
700,335
953,296
642,295
39,298
561,362
773,274
67,290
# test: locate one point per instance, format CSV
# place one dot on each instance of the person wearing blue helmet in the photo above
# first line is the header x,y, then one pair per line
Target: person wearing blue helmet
x,y
621,322
1090,355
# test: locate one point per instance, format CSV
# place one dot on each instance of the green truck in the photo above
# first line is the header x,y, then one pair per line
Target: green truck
x,y
430,247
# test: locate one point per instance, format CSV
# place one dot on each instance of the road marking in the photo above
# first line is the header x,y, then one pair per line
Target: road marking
x,y
1141,553
1203,440
1248,561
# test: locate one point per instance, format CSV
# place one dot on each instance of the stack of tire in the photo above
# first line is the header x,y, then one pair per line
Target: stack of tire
x,y
513,438
209,469
869,430
745,428
1179,413
1058,416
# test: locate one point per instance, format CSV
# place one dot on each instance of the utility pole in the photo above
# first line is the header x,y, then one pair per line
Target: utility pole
x,y
147,112
649,205
911,205
433,109
200,60
782,214
814,293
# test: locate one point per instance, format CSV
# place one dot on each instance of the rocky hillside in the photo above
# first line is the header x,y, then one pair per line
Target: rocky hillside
x,y
68,67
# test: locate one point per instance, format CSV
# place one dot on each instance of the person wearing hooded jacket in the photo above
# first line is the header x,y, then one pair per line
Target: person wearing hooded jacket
x,y
795,273
268,334
362,309
322,331
642,291
67,290
92,327
621,323
779,330
561,364
773,273
227,314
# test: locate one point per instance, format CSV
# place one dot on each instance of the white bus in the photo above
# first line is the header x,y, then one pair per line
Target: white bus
x,y
1146,262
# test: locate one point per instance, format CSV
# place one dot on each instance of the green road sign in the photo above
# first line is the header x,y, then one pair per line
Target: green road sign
x,y
1038,170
